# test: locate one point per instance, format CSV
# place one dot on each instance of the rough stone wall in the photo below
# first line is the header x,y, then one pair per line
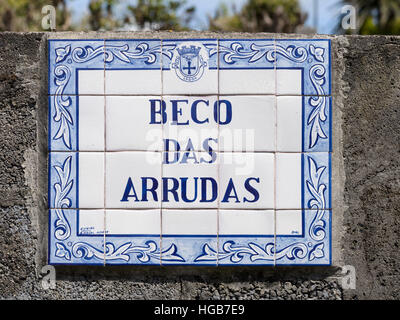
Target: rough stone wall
x,y
20,91
371,149
366,165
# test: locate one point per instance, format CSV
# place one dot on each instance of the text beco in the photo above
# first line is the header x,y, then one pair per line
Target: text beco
x,y
159,114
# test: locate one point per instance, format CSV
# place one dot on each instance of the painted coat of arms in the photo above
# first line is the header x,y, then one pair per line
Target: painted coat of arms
x,y
189,63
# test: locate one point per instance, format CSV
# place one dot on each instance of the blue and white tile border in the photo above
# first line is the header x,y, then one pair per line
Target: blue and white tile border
x,y
313,247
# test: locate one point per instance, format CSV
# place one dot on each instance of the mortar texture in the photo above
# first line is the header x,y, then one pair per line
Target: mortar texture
x,y
366,78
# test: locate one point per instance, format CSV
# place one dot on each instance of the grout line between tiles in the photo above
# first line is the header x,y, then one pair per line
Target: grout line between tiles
x,y
105,155
159,151
276,147
189,95
219,161
191,208
162,152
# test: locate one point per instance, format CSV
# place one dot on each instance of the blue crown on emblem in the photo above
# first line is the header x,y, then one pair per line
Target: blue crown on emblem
x,y
192,50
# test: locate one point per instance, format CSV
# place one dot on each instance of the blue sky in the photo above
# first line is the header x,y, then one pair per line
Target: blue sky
x,y
329,11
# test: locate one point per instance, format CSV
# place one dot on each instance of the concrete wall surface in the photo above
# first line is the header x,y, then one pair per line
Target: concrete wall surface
x,y
365,173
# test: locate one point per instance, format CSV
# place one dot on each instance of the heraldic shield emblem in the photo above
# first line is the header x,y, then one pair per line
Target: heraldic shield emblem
x,y
189,63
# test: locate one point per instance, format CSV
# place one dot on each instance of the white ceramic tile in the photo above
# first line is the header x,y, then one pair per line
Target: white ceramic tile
x,y
173,85
189,250
312,57
191,123
317,132
251,126
315,239
246,180
289,81
91,222
246,222
191,69
63,179
69,59
288,180
76,248
317,171
137,82
63,123
232,205
189,222
289,222
137,222
91,180
248,250
242,81
91,123
90,82
133,180
198,171
133,123
289,123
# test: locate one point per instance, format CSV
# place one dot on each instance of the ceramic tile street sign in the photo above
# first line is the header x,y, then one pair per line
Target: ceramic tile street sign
x,y
190,152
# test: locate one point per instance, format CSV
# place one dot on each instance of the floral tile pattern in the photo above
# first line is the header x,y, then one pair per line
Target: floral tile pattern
x,y
69,57
312,57
313,247
255,61
190,152
140,59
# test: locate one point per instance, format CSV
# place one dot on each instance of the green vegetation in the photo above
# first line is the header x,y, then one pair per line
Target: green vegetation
x,y
161,15
373,16
26,15
260,16
377,16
